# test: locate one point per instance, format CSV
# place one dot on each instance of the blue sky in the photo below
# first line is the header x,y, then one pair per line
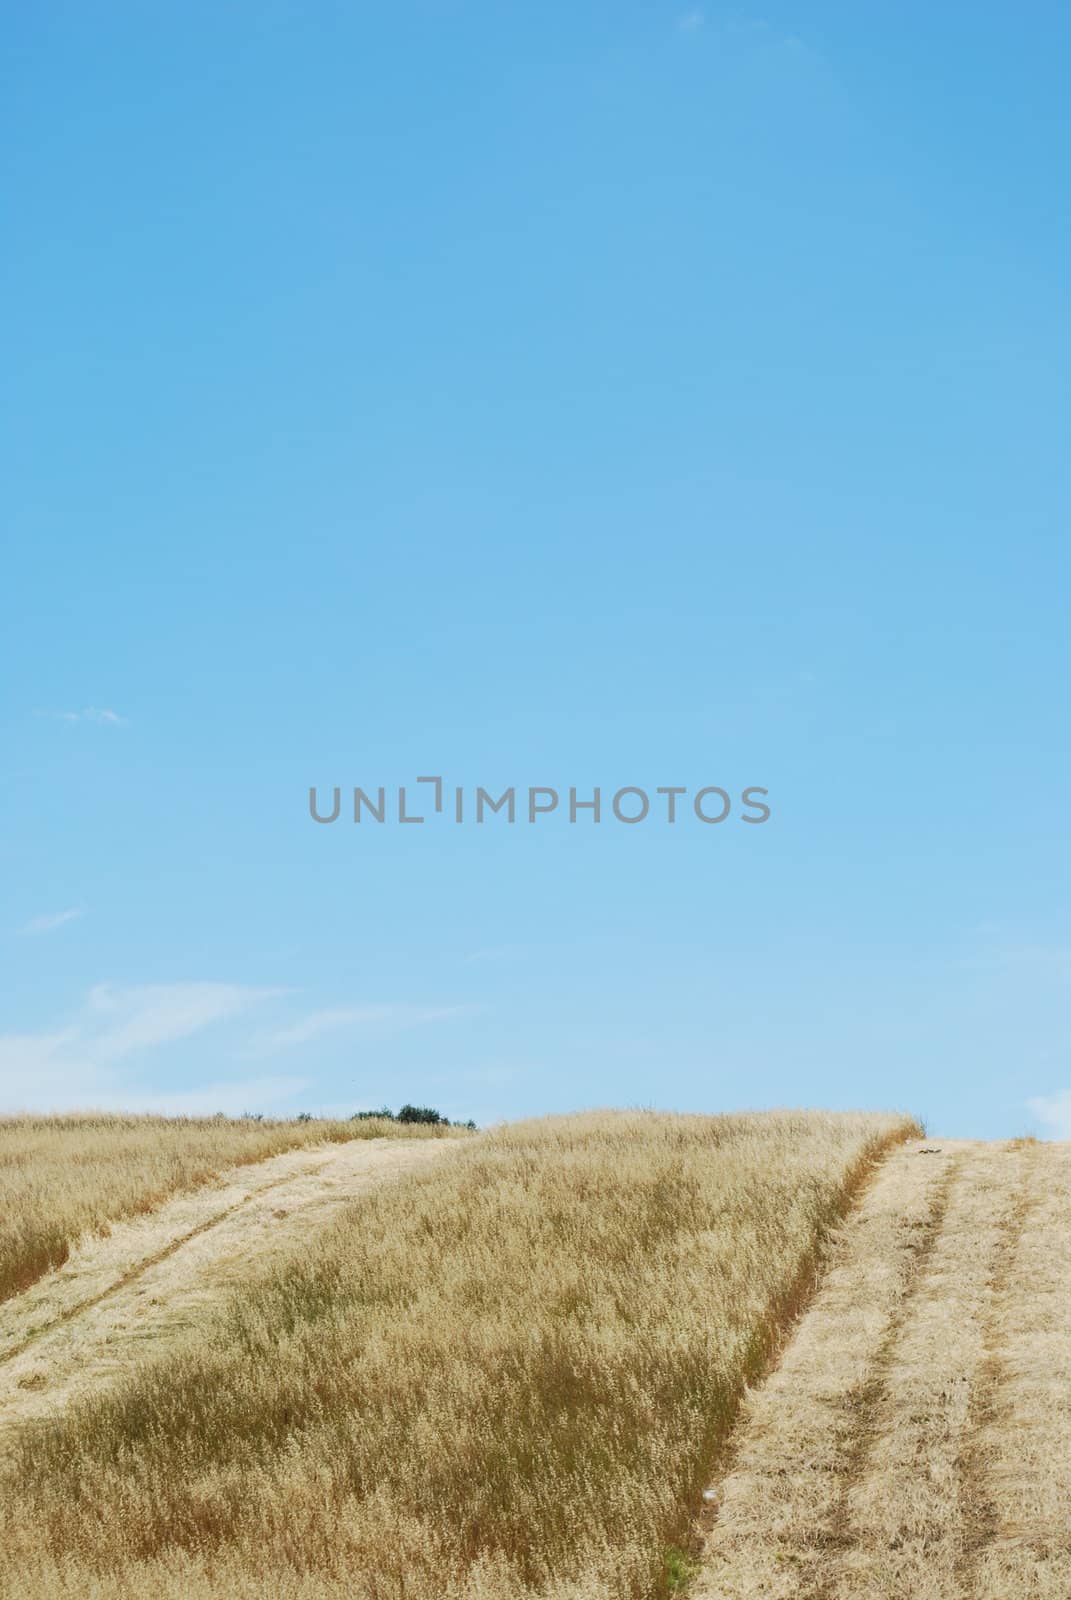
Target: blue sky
x,y
569,395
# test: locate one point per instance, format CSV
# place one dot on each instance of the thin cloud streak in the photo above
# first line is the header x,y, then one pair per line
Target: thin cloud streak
x,y
103,716
83,1065
155,1014
78,1065
50,921
390,1018
232,1098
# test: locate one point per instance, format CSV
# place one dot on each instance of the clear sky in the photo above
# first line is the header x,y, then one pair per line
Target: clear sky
x,y
564,394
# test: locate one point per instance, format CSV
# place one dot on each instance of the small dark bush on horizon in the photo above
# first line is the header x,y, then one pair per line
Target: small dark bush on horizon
x,y
408,1113
423,1114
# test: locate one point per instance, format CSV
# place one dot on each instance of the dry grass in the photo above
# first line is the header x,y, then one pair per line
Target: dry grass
x,y
64,1177
142,1288
916,1437
505,1377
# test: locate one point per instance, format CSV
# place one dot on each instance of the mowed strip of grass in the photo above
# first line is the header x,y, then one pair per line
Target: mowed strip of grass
x,y
505,1377
64,1177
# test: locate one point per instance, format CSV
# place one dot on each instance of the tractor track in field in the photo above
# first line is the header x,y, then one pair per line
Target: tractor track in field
x,y
141,1286
915,1437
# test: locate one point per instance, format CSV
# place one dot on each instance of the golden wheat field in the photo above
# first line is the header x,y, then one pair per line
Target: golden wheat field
x,y
65,1176
506,1373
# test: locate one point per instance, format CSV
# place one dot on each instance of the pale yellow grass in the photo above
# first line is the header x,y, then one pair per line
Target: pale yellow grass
x,y
507,1376
64,1177
915,1440
116,1298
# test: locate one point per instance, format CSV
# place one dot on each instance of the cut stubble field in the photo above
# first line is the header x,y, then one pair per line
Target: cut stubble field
x,y
914,1442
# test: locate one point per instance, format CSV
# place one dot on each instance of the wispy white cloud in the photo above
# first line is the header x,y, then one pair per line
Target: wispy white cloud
x,y
390,1018
79,1065
494,952
102,715
232,1097
46,1070
764,34
154,1014
91,1062
51,920
318,1023
53,1073
689,21
1053,1112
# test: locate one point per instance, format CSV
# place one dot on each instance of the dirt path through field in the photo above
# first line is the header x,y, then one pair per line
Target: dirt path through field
x,y
915,1439
119,1296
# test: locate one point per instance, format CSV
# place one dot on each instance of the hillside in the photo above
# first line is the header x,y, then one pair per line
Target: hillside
x,y
132,1291
507,1373
63,1177
914,1442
